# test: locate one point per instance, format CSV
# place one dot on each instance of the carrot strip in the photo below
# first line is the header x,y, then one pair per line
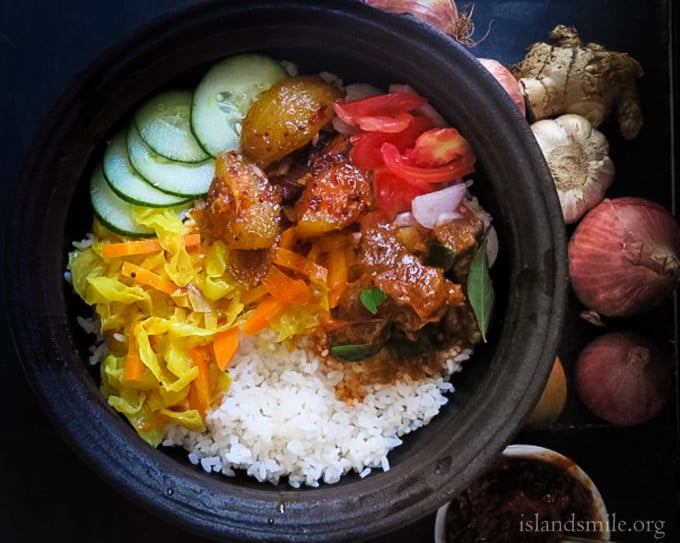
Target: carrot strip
x,y
201,384
254,294
286,289
143,246
133,371
225,346
338,274
287,239
267,309
296,262
148,278
192,397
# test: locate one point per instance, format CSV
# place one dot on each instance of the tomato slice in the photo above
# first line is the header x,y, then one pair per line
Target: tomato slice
x,y
404,167
439,146
393,195
365,153
385,123
390,104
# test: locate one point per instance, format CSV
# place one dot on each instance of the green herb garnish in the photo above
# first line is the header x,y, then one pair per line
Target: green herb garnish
x,y
440,256
480,289
354,353
372,298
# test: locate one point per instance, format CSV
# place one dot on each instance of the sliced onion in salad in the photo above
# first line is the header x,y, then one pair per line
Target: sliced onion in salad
x,y
431,208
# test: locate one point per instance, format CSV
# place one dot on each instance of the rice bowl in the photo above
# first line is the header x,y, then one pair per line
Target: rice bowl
x,y
492,395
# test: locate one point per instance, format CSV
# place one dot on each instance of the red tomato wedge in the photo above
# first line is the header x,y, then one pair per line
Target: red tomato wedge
x,y
439,146
365,153
393,194
385,123
404,167
384,105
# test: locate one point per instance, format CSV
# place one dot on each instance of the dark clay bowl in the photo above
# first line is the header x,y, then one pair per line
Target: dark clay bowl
x,y
494,393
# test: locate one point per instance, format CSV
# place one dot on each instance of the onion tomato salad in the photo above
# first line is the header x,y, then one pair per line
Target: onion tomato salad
x,y
407,153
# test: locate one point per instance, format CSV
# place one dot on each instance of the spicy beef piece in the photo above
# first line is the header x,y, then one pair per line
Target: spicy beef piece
x,y
368,332
336,193
417,294
462,237
460,325
243,208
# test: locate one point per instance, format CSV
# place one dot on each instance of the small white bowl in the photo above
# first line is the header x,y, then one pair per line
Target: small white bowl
x,y
535,452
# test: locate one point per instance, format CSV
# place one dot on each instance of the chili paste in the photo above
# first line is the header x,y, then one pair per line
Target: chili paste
x,y
519,500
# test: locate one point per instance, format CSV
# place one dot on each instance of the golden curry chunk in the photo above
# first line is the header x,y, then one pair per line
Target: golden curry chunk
x,y
286,117
336,193
243,208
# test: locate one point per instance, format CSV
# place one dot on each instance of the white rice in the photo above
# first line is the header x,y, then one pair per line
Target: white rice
x,y
281,418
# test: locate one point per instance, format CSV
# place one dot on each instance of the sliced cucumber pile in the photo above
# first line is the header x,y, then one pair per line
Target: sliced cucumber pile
x,y
126,181
115,213
165,157
224,96
164,123
179,178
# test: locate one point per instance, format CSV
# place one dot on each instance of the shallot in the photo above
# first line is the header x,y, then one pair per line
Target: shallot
x,y
506,80
624,257
444,15
623,378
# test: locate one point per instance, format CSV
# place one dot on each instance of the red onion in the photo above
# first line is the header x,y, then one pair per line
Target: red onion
x,y
623,378
506,80
441,14
433,207
624,257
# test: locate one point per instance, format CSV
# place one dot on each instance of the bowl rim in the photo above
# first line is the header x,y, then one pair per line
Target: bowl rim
x,y
46,346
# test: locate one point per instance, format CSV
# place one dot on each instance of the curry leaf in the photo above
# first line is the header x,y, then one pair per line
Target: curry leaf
x,y
372,298
480,289
440,256
354,353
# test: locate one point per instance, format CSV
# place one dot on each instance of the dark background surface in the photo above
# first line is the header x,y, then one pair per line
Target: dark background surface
x,y
46,491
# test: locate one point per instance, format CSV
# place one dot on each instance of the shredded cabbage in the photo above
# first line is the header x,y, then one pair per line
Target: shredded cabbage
x,y
162,330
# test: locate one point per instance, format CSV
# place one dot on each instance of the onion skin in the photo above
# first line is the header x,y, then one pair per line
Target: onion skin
x,y
623,378
624,257
507,81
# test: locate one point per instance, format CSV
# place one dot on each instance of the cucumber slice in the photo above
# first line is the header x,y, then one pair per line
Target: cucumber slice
x,y
127,183
177,178
164,122
114,212
224,96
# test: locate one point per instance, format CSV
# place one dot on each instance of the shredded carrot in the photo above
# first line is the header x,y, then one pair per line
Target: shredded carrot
x,y
146,277
225,346
287,239
133,371
143,246
286,289
337,275
199,392
314,253
254,294
267,310
296,262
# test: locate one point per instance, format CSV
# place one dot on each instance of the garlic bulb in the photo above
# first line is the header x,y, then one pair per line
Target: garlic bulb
x,y
578,158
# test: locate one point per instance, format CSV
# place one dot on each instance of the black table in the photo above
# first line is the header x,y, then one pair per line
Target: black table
x,y
45,489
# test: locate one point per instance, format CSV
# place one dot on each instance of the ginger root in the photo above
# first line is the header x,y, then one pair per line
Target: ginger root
x,y
566,76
